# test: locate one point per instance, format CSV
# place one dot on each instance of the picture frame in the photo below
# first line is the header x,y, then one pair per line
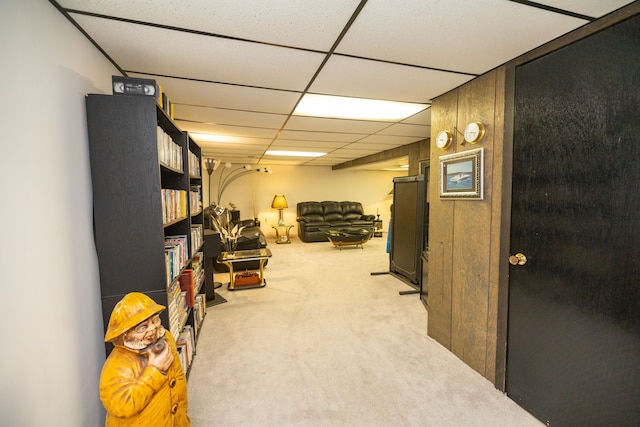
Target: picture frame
x,y
462,175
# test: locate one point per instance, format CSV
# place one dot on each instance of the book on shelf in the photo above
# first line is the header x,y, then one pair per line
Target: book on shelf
x,y
194,165
169,153
186,345
183,203
176,255
199,311
197,264
187,284
195,199
174,204
159,94
197,237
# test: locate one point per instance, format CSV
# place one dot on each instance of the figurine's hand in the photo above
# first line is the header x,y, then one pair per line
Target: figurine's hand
x,y
162,359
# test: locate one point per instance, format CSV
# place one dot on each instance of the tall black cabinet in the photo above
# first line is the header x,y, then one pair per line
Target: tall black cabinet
x,y
407,229
134,186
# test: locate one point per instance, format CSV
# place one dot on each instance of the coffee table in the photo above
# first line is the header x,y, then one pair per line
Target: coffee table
x,y
228,258
349,236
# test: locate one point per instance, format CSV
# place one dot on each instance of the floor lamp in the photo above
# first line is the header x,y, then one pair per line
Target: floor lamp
x,y
211,165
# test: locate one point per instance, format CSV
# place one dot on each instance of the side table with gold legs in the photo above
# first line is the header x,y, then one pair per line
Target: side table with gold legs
x,y
228,258
282,233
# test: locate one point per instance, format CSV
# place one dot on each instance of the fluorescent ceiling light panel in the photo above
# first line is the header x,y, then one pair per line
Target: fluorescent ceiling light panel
x,y
209,137
294,153
355,108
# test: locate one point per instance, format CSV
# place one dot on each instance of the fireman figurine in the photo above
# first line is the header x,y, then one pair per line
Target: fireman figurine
x,y
142,382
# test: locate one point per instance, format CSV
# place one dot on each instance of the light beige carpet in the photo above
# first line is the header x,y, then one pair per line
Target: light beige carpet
x,y
327,344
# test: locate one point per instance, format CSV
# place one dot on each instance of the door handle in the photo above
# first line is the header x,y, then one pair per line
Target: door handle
x,y
518,259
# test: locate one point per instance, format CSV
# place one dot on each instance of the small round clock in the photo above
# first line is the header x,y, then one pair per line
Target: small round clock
x,y
443,140
474,132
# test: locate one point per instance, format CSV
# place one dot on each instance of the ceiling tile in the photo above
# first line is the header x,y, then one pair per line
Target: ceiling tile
x,y
238,131
362,78
401,129
390,139
334,125
292,145
222,116
453,35
320,136
190,92
307,24
422,118
147,49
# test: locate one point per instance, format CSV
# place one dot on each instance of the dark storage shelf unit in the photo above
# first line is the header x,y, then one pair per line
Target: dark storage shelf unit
x,y
127,179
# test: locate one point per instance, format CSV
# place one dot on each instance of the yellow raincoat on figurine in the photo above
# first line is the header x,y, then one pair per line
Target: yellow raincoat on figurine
x,y
142,382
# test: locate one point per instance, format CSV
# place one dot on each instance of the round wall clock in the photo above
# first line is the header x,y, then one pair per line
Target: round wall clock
x,y
443,140
474,132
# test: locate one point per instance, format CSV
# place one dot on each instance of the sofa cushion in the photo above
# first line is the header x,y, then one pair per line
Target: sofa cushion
x,y
332,211
310,208
316,225
311,218
351,208
351,216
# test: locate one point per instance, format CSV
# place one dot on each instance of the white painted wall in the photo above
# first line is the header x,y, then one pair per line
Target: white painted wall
x,y
52,350
301,184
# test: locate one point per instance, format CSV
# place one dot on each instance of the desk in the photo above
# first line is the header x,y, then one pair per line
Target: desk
x,y
282,233
228,258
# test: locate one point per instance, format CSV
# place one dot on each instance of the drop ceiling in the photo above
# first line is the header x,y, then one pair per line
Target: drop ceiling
x,y
238,68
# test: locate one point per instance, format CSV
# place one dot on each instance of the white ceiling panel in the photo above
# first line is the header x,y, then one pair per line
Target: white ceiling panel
x,y
283,161
236,69
309,24
367,148
320,136
422,118
246,133
286,144
253,145
401,129
191,92
335,125
148,49
349,153
355,77
222,116
390,139
462,35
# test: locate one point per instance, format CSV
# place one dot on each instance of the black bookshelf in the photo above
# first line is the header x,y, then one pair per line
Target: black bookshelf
x,y
127,179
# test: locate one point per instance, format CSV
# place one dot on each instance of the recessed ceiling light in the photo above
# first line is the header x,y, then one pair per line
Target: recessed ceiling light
x,y
294,153
355,108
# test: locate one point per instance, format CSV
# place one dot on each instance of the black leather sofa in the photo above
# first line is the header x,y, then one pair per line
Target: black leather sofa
x,y
315,219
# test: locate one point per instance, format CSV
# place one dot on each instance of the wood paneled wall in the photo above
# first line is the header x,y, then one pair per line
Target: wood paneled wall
x,y
469,240
465,235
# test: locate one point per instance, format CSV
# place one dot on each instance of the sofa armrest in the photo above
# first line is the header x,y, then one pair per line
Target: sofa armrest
x,y
368,217
244,223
